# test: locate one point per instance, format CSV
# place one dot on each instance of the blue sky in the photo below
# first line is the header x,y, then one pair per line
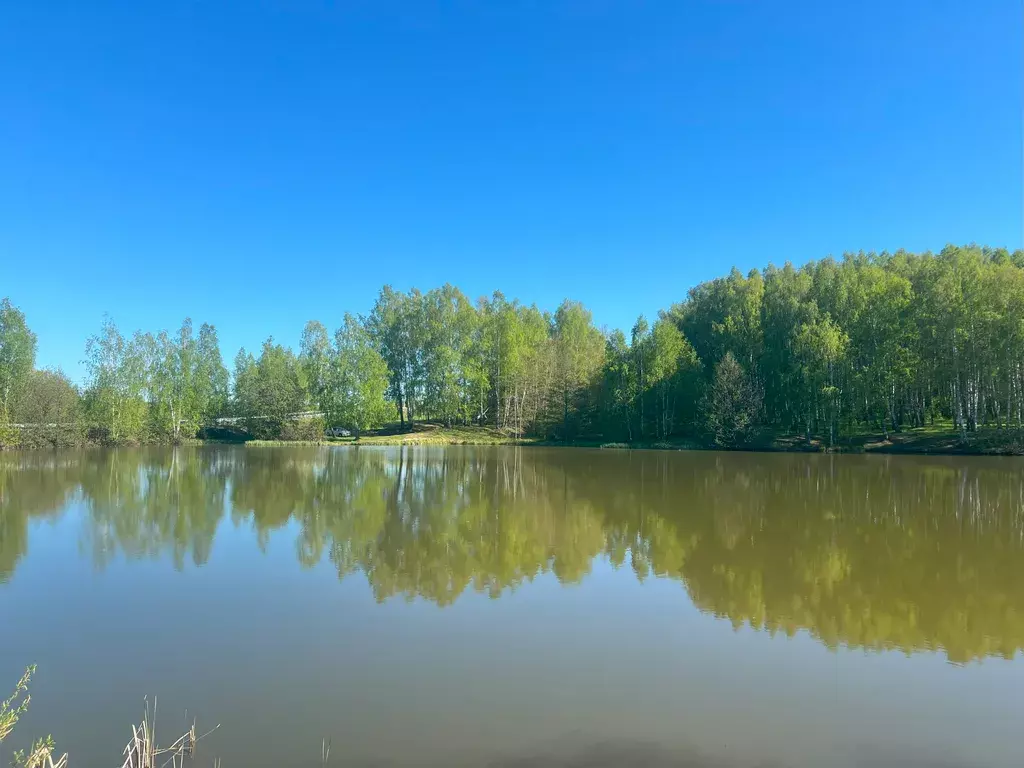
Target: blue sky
x,y
256,164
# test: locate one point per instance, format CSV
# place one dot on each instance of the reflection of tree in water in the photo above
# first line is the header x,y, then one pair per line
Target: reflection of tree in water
x,y
864,551
910,559
145,503
422,523
32,485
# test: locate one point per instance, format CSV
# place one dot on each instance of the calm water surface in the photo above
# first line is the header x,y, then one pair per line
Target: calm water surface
x,y
520,607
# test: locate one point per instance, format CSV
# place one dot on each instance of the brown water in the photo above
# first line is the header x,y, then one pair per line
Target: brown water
x,y
519,607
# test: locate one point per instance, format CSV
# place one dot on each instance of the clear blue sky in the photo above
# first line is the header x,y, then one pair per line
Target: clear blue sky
x,y
256,164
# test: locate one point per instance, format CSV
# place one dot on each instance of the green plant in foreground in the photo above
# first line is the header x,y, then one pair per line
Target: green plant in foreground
x,y
14,707
141,752
39,756
11,710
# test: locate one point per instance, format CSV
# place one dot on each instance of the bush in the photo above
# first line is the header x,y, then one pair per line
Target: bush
x,y
51,436
98,435
10,436
309,430
38,436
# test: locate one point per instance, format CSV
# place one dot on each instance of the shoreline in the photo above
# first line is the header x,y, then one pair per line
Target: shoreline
x,y
939,440
1008,450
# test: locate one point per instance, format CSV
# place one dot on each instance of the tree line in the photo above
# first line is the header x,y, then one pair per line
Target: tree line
x,y
878,342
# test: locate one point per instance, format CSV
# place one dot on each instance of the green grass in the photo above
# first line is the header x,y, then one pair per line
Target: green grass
x,y
940,438
293,443
435,434
935,439
421,434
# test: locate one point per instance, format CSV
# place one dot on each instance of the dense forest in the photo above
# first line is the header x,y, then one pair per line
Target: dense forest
x,y
870,342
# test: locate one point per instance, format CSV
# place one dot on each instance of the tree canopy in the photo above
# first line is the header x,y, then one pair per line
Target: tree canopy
x,y
17,356
866,343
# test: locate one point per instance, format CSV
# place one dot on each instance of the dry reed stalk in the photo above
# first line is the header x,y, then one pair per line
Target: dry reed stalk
x,y
142,750
42,757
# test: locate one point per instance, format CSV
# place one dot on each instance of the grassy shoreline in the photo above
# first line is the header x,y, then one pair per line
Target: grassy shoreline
x,y
940,439
925,441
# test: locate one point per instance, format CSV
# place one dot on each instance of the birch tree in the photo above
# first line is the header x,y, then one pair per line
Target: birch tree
x,y
17,356
359,379
117,379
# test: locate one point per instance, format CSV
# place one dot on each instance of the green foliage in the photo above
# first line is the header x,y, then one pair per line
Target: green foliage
x,y
159,386
674,375
358,379
45,436
48,398
870,342
38,755
449,326
457,363
244,391
187,381
303,430
209,377
733,404
394,326
617,387
518,363
579,356
315,358
884,341
821,348
12,708
269,390
117,381
640,357
17,356
724,316
10,436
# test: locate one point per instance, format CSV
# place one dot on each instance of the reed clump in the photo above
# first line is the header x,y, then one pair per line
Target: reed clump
x,y
142,750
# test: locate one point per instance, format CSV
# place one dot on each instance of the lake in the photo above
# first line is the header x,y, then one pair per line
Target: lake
x,y
519,606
